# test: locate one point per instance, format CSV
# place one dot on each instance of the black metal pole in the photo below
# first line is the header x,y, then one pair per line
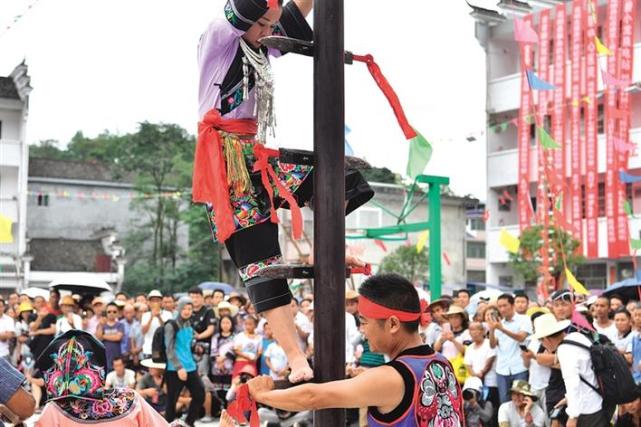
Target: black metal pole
x,y
329,201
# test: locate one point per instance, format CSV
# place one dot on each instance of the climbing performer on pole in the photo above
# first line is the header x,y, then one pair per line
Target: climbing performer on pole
x,y
417,387
241,182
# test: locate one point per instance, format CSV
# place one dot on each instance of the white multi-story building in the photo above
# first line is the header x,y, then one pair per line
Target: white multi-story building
x,y
494,30
14,163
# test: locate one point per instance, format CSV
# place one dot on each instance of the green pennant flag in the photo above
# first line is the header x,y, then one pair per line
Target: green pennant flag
x,y
420,154
635,244
628,208
546,140
504,126
559,202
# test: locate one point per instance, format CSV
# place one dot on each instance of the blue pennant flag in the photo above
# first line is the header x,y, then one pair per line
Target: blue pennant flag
x,y
536,83
626,178
349,151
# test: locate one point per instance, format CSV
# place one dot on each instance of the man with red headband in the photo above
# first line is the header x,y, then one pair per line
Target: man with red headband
x,y
241,181
417,388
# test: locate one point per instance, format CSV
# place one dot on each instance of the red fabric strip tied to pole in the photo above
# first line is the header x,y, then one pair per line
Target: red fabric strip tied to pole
x,y
242,404
389,93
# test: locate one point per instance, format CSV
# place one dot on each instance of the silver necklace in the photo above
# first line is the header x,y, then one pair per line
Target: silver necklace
x,y
264,86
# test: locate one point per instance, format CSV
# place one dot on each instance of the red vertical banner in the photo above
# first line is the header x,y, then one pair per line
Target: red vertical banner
x,y
558,112
575,140
543,156
611,173
524,135
625,64
591,135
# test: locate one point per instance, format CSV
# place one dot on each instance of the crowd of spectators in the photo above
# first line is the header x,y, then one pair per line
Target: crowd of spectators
x,y
215,342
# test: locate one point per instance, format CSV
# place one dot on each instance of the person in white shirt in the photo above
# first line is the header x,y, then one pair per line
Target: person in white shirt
x,y
120,377
151,320
602,322
7,331
584,404
303,325
69,320
521,410
506,335
480,361
623,323
539,374
437,309
276,360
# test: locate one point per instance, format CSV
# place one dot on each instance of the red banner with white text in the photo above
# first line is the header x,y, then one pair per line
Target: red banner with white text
x,y
541,111
576,195
610,101
558,111
589,102
625,60
524,136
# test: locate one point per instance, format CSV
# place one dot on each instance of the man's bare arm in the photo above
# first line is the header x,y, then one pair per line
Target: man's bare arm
x,y
361,391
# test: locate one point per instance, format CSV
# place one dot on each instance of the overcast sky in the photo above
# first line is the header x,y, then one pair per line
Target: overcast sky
x,y
108,64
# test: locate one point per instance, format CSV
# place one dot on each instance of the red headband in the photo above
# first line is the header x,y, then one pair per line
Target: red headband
x,y
375,311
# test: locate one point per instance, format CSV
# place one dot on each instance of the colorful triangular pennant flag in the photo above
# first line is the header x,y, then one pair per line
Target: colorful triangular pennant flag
x,y
420,154
381,245
627,207
626,178
537,83
610,80
6,235
422,241
635,244
621,146
546,140
601,48
509,242
575,284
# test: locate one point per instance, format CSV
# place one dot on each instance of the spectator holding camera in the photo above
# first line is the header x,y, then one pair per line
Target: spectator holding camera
x,y
478,412
506,334
521,410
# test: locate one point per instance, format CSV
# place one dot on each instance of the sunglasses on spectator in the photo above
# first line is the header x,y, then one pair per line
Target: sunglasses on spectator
x,y
566,296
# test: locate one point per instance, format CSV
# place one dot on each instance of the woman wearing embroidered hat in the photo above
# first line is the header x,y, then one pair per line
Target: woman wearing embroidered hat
x,y
73,366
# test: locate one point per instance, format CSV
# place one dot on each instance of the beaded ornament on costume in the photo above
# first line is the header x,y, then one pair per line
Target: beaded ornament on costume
x,y
262,69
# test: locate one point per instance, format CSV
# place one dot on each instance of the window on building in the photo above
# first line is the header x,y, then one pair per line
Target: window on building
x,y
533,134
601,199
43,199
601,118
507,281
551,52
505,205
364,217
0,129
476,250
625,270
477,224
593,276
477,276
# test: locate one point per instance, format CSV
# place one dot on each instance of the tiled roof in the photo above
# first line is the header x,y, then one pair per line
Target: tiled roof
x,y
64,254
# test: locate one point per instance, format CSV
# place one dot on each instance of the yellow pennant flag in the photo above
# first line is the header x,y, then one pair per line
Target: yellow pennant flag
x,y
601,48
509,242
6,236
422,241
587,100
575,284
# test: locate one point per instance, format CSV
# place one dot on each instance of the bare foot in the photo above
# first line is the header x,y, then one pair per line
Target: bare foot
x,y
226,420
300,370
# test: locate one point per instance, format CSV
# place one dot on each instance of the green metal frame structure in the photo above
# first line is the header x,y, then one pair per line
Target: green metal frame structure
x,y
433,224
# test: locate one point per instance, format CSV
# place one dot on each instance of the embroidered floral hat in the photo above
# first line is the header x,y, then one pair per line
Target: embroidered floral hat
x,y
73,365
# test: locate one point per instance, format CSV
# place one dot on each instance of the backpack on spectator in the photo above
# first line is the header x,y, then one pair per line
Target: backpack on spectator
x,y
616,385
158,347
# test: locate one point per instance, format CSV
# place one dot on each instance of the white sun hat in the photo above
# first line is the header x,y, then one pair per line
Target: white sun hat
x,y
547,325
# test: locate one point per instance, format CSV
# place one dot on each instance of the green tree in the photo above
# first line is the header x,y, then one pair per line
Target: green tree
x,y
407,262
382,175
527,261
47,149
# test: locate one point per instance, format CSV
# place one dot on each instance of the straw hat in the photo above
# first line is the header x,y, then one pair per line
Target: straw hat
x,y
67,300
239,297
351,294
523,387
149,363
455,309
25,306
547,325
226,305
440,301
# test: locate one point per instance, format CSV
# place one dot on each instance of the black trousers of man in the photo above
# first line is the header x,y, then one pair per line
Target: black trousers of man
x,y
175,386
